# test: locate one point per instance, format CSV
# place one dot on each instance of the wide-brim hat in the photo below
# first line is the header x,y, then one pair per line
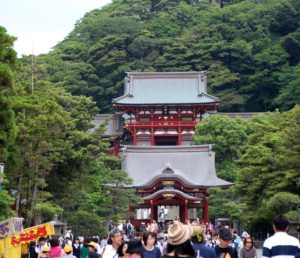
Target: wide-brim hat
x,y
179,233
134,246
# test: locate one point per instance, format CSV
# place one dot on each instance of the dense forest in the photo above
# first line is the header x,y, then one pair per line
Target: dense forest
x,y
261,156
249,48
56,166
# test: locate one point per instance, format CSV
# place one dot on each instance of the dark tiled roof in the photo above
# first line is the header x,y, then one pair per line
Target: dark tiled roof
x,y
166,88
195,164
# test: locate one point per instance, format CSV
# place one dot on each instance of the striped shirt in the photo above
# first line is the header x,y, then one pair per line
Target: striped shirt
x,y
280,245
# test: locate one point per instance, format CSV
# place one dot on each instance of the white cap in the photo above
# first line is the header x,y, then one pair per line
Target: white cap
x,y
245,234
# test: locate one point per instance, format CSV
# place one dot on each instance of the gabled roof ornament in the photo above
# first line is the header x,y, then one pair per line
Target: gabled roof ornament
x,y
168,169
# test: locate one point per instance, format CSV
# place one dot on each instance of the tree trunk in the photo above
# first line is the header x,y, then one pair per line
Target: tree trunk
x,y
35,189
18,195
33,202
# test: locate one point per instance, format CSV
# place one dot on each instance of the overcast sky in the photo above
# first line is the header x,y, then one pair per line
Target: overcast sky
x,y
41,24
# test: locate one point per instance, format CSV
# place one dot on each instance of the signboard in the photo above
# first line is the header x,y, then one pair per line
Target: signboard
x,y
10,247
11,227
32,234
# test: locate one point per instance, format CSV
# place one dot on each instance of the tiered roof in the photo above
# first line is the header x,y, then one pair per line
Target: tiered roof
x,y
173,88
193,165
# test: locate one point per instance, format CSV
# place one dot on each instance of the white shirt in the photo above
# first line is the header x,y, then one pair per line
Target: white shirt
x,y
98,248
109,252
280,245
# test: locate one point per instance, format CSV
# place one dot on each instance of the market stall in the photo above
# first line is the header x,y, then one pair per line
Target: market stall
x,y
15,241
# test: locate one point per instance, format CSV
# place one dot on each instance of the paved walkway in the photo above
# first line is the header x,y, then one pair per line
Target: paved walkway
x,y
259,252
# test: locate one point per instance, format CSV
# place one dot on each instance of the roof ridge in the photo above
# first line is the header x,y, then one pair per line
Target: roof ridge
x,y
210,96
122,97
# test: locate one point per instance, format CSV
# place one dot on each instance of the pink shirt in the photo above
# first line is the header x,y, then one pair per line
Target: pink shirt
x,y
55,252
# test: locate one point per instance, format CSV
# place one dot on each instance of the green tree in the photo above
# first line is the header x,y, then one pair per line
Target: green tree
x,y
289,94
227,134
8,128
42,124
58,152
282,203
6,201
7,65
268,163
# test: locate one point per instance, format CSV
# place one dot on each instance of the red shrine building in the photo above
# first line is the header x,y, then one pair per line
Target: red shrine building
x,y
160,111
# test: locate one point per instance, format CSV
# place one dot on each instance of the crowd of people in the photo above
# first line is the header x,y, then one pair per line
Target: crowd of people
x,y
182,240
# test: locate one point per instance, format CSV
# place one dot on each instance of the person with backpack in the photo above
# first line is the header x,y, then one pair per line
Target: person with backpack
x,y
129,230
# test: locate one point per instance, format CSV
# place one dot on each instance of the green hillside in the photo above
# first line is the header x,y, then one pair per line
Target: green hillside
x,y
249,48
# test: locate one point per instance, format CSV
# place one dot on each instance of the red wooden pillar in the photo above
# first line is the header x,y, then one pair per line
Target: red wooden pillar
x,y
152,137
205,209
185,211
134,137
116,147
179,137
152,210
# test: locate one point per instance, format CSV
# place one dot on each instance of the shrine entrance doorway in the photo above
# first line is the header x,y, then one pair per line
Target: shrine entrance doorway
x,y
166,140
168,212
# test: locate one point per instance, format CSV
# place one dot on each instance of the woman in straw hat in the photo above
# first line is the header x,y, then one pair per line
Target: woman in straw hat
x,y
179,244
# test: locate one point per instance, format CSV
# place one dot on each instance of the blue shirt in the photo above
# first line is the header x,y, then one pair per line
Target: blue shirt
x,y
205,251
155,253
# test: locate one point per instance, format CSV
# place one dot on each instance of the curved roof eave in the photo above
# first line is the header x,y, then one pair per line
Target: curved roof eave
x,y
166,176
171,191
217,182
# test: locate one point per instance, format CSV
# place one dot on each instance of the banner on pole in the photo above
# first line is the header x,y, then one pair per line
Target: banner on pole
x,y
11,227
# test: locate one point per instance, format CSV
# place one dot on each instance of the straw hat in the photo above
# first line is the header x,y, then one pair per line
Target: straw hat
x,y
178,233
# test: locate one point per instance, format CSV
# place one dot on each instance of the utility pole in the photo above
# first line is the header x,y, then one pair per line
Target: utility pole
x,y
32,72
1,174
